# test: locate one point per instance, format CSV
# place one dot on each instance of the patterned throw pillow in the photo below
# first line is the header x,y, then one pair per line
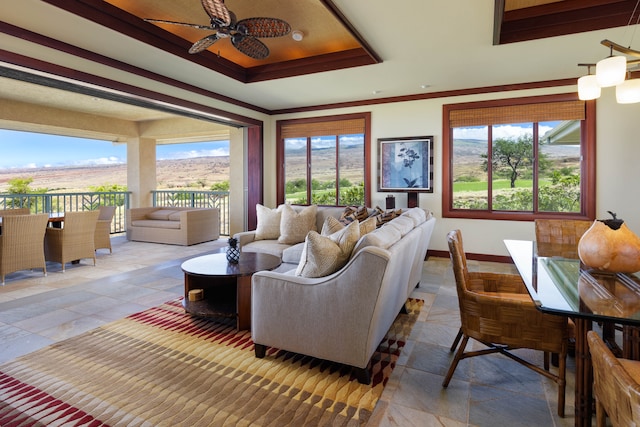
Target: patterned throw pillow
x,y
352,213
294,226
324,255
268,227
332,225
382,216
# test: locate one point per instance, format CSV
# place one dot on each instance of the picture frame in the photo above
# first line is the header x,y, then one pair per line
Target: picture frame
x,y
405,164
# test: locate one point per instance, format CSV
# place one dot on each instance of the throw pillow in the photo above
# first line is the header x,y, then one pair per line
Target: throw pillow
x,y
162,214
294,226
324,255
332,225
268,227
352,213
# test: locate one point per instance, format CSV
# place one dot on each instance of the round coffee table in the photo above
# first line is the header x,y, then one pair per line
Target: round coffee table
x,y
226,287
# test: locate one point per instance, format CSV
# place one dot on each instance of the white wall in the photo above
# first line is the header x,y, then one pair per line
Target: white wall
x,y
617,160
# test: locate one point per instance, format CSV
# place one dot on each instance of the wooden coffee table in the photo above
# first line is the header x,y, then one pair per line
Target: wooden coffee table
x,y
226,287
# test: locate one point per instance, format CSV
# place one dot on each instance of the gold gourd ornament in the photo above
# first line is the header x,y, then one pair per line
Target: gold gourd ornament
x,y
610,246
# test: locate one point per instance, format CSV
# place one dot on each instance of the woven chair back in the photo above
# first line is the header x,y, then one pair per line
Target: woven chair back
x,y
560,231
613,386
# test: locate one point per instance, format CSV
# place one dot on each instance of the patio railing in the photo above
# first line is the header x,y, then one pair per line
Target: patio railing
x,y
57,203
196,199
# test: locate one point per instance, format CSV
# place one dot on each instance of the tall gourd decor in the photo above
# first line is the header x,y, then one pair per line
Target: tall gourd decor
x,y
609,246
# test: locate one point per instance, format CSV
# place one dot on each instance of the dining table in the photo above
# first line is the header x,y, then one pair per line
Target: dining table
x,y
560,284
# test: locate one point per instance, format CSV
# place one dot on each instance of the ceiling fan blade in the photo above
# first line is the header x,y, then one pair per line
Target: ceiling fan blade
x,y
250,46
265,27
217,11
204,43
184,24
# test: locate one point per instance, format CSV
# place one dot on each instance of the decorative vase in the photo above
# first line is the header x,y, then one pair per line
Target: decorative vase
x,y
233,251
609,246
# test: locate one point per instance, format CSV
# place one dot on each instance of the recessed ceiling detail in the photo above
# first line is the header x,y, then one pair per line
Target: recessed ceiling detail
x,y
330,41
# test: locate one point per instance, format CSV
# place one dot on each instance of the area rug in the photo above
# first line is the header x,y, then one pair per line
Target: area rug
x,y
162,367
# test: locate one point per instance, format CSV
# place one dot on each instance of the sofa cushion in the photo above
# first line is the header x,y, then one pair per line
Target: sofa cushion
x,y
175,216
271,247
418,215
292,254
268,227
156,223
383,237
324,255
161,214
294,225
403,224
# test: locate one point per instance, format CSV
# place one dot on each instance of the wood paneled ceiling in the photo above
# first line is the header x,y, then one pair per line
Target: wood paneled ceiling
x,y
521,20
329,43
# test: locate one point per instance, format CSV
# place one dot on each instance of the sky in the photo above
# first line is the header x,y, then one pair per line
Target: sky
x,y
35,150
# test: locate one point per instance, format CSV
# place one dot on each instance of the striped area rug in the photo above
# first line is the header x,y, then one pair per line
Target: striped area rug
x,y
162,367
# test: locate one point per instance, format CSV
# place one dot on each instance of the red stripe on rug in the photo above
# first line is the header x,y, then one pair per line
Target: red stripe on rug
x,y
38,398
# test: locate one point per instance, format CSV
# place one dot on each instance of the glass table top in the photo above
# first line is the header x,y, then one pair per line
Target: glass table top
x,y
558,282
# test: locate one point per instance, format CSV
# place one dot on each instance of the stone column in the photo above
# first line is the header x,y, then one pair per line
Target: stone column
x,y
141,171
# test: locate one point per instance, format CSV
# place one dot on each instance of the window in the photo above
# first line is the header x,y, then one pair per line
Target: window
x,y
324,160
519,159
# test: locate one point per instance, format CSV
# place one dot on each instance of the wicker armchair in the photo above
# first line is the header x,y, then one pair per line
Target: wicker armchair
x,y
102,236
561,231
497,311
74,241
21,243
616,385
15,211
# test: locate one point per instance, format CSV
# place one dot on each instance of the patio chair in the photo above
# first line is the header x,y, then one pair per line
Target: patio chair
x,y
616,385
74,241
102,236
14,211
497,311
21,243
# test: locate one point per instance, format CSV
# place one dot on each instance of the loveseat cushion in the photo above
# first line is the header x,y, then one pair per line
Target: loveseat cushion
x,y
156,223
160,214
295,225
268,227
175,216
324,255
271,247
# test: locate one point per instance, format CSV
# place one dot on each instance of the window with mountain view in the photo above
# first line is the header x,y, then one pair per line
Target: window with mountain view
x,y
518,159
324,160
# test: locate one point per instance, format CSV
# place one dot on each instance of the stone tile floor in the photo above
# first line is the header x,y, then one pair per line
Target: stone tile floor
x,y
36,311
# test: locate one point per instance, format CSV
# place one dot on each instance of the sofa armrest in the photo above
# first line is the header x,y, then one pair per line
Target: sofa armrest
x,y
245,237
337,317
196,222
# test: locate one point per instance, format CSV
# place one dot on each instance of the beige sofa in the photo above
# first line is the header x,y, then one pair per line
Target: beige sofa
x,y
343,317
289,253
173,225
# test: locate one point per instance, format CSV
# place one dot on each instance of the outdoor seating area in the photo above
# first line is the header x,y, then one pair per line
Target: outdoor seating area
x,y
28,241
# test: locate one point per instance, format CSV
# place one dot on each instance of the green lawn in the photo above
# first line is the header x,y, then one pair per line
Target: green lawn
x,y
500,184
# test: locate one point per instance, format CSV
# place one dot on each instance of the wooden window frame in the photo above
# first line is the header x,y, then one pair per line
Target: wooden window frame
x,y
280,155
587,167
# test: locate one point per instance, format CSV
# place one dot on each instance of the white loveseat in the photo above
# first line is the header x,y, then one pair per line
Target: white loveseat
x,y
173,225
343,317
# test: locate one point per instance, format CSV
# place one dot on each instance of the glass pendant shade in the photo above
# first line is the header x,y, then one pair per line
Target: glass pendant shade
x,y
588,88
611,71
628,92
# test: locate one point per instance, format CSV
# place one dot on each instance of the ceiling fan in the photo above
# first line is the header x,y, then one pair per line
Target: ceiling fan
x,y
244,33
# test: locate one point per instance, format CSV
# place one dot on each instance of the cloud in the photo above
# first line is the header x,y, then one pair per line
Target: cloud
x,y
191,154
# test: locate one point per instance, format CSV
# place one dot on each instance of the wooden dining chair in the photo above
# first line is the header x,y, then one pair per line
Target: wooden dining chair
x,y
74,241
616,385
102,236
21,243
497,311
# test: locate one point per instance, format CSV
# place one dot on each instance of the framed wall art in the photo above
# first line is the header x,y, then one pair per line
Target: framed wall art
x,y
406,164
